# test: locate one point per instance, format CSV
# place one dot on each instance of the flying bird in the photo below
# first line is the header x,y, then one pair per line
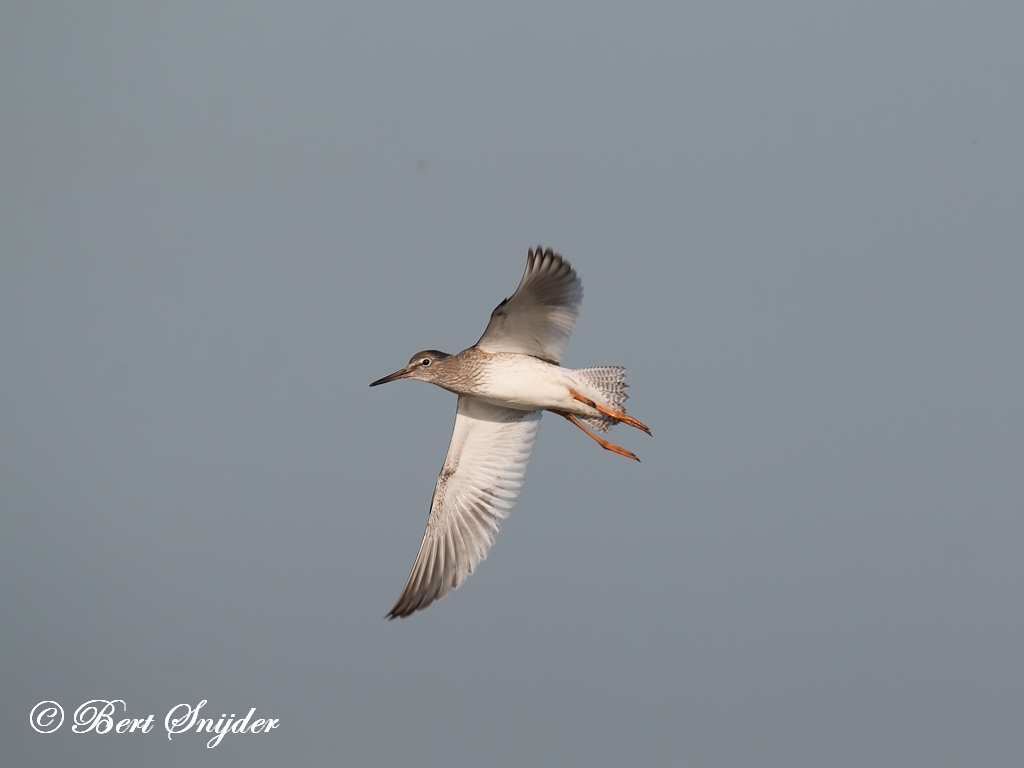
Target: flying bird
x,y
504,382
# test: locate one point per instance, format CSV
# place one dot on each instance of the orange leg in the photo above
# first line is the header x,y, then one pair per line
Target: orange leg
x,y
603,443
617,415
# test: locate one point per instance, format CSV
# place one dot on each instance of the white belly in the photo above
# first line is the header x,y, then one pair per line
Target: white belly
x,y
528,384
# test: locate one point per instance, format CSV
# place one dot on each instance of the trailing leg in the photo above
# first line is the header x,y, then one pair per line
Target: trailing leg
x,y
617,415
603,443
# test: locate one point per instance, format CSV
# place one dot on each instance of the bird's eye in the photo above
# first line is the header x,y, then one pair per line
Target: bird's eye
x,y
426,361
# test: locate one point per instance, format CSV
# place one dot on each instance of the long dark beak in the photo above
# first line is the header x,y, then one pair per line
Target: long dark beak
x,y
392,376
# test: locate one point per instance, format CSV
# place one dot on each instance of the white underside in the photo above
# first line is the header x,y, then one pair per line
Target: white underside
x,y
529,384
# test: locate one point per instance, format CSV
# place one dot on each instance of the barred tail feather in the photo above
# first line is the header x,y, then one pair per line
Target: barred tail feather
x,y
610,381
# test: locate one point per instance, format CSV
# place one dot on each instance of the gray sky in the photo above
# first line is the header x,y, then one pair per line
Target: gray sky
x,y
799,226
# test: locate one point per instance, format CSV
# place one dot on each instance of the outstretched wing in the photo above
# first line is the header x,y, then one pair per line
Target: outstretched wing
x,y
538,318
478,485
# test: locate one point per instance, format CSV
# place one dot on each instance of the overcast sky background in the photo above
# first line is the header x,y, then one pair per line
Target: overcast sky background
x,y
799,225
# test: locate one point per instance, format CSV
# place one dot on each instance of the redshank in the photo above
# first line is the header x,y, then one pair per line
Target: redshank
x,y
504,382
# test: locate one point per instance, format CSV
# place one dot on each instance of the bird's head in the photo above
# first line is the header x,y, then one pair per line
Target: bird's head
x,y
418,367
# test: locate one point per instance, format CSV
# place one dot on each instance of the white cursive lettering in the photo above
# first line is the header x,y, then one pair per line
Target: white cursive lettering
x,y
181,724
91,716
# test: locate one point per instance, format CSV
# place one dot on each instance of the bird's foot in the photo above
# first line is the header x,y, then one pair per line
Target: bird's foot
x,y
600,441
617,415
